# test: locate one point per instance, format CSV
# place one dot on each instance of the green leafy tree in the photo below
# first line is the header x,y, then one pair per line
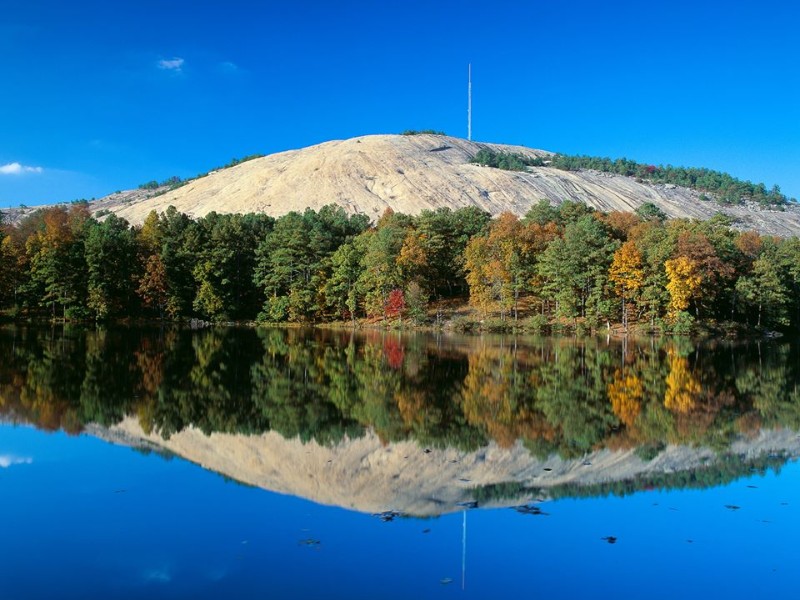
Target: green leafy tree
x,y
765,291
293,261
575,267
226,265
179,241
110,249
381,271
342,291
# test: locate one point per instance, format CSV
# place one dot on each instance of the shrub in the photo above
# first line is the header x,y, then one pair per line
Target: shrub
x,y
508,161
423,131
537,323
682,323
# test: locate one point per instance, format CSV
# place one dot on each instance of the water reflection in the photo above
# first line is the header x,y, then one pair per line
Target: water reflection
x,y
563,402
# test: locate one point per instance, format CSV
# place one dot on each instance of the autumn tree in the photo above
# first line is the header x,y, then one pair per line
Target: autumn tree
x,y
57,260
627,275
13,270
443,235
153,285
620,223
395,304
499,266
413,259
715,273
381,272
683,283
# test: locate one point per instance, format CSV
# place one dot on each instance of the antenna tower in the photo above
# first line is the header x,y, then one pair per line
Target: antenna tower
x,y
469,102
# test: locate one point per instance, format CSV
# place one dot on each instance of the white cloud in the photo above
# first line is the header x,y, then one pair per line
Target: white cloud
x,y
7,460
17,169
171,64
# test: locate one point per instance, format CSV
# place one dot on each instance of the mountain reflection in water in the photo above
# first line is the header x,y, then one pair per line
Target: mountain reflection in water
x,y
430,422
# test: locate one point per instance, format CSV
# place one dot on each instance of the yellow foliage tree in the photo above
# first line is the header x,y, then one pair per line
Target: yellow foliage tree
x,y
413,260
627,275
482,282
683,283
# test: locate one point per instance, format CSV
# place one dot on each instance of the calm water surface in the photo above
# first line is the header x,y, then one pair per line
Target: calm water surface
x,y
275,463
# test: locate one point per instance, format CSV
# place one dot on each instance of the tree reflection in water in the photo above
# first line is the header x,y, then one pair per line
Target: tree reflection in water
x,y
555,395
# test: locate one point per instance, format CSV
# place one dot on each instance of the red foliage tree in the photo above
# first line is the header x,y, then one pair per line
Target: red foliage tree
x,y
395,304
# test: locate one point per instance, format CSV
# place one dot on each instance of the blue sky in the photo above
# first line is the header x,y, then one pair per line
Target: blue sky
x,y
100,96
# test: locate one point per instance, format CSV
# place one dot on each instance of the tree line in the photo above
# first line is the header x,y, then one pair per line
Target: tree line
x,y
725,188
722,187
558,266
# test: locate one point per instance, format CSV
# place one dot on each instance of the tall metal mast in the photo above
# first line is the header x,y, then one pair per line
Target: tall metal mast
x,y
469,102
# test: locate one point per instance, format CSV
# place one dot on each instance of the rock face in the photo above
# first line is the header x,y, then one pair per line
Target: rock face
x,y
367,475
413,173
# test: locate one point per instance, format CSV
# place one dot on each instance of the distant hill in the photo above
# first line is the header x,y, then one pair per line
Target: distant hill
x,y
411,173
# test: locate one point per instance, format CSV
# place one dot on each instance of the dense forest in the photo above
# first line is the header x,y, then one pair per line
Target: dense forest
x,y
565,266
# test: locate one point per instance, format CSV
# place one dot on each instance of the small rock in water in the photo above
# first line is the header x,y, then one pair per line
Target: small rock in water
x,y
530,509
309,542
732,507
426,531
387,516
753,487
610,539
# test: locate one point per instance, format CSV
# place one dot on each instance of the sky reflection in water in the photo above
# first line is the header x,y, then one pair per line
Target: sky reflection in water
x,y
89,519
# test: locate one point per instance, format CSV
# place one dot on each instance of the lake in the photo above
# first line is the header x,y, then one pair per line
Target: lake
x,y
262,463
